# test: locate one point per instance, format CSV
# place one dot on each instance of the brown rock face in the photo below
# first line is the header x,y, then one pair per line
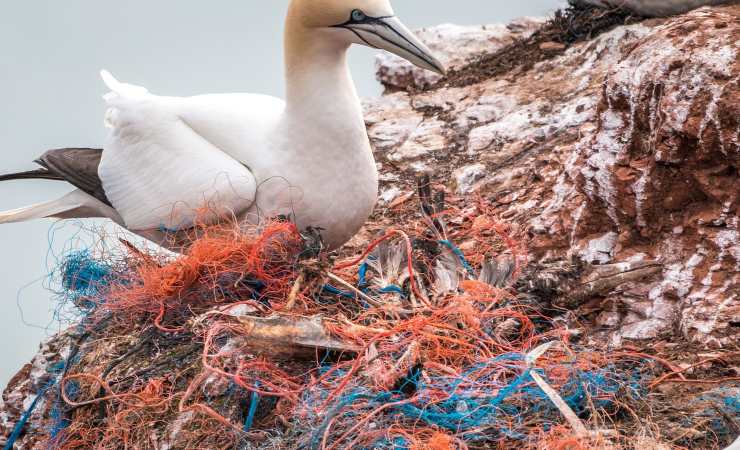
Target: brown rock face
x,y
663,167
24,389
622,150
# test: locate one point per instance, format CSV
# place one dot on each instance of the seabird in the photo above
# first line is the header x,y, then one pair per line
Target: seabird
x,y
170,163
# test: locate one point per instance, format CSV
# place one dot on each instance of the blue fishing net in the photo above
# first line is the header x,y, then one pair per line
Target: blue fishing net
x,y
479,404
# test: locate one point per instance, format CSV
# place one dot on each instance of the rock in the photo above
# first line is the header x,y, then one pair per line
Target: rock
x,y
673,123
653,8
466,177
389,195
600,249
396,119
427,138
623,146
552,46
23,389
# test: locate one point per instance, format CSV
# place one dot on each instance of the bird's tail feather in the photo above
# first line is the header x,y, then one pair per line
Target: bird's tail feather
x,y
120,94
38,174
119,89
72,205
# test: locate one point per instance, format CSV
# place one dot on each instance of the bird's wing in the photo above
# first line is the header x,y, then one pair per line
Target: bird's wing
x,y
77,166
241,125
159,172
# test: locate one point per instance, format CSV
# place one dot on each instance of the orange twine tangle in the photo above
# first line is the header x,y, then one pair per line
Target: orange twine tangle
x,y
457,336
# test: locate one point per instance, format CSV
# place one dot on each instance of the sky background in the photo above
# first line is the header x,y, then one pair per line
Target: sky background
x,y
50,96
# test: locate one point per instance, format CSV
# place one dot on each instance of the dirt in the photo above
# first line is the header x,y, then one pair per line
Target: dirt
x,y
570,26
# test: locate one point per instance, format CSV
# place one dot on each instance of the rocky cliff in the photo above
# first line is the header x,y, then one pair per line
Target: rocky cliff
x,y
622,149
608,144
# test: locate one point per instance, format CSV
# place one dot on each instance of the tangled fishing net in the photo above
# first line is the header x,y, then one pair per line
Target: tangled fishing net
x,y
252,339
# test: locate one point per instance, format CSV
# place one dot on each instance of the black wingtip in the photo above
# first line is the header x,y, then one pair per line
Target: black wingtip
x,y
39,174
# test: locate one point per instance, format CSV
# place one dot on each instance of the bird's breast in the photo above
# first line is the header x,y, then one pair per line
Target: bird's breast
x,y
322,177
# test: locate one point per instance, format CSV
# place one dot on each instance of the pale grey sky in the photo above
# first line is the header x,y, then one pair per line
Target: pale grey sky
x,y
50,97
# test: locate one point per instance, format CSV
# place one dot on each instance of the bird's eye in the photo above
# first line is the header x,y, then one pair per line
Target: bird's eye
x,y
358,16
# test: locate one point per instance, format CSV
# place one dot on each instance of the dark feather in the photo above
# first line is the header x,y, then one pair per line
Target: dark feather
x,y
77,166
38,174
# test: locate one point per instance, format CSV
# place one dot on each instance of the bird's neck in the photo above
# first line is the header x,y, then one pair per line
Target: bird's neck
x,y
319,83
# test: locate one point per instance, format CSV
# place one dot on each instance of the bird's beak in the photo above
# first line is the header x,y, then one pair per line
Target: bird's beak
x,y
389,33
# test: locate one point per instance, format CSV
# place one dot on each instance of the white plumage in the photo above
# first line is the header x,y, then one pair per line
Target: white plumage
x,y
159,171
169,160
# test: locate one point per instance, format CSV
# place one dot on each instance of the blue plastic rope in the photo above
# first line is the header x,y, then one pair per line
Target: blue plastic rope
x,y
392,289
253,402
466,408
18,429
733,404
332,290
362,275
460,255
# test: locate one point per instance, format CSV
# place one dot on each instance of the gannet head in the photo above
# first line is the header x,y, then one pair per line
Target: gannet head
x,y
366,22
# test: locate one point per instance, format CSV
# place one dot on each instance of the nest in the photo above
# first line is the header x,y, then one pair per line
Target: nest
x,y
252,339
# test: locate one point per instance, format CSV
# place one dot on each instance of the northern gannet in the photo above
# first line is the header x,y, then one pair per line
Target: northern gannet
x,y
169,159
